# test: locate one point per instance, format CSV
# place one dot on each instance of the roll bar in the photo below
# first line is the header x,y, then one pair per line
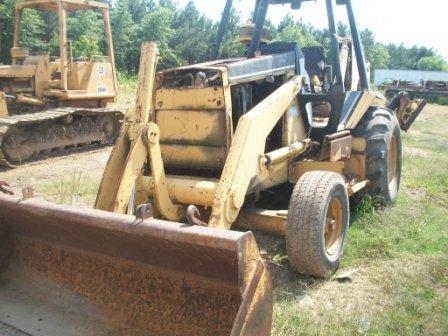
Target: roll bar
x,y
260,11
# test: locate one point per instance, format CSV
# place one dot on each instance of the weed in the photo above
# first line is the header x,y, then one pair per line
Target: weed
x,y
127,81
68,187
77,187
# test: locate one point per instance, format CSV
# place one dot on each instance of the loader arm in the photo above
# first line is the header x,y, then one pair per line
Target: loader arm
x,y
138,143
248,147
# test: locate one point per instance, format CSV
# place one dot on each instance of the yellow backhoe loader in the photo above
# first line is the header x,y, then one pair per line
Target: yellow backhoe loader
x,y
51,103
276,141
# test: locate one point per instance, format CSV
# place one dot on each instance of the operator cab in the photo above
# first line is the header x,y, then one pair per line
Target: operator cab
x,y
211,97
333,90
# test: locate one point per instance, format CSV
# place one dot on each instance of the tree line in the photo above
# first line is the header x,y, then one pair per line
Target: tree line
x,y
184,36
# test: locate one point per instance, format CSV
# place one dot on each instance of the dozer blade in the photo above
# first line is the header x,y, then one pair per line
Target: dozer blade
x,y
72,271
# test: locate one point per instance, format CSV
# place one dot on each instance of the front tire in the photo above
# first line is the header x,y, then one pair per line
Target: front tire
x,y
317,223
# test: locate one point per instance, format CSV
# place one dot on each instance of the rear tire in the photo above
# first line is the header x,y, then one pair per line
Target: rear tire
x,y
317,223
380,128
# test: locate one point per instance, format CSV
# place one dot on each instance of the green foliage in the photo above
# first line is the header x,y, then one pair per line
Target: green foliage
x,y
375,53
156,27
432,63
193,34
127,80
124,31
6,28
50,32
406,58
231,47
184,36
85,30
32,35
86,46
296,31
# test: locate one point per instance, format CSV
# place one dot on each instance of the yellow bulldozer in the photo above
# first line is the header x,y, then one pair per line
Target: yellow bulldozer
x,y
276,141
50,103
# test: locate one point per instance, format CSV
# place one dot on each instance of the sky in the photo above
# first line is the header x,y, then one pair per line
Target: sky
x,y
421,23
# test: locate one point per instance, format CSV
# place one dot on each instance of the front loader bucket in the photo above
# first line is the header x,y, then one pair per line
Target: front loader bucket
x,y
72,271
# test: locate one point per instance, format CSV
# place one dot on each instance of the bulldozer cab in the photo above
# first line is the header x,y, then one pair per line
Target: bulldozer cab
x,y
64,76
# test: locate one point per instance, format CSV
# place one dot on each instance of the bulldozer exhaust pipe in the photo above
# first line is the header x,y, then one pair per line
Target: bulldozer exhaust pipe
x,y
72,271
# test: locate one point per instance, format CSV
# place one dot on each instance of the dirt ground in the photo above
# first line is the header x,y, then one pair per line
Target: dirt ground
x,y
55,177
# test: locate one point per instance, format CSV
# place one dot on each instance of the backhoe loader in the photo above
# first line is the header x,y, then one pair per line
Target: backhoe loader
x,y
276,141
51,103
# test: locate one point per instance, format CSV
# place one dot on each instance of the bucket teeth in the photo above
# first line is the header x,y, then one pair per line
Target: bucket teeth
x,y
144,211
194,216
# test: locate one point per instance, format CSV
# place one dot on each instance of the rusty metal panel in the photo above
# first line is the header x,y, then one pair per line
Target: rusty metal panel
x,y
340,148
185,156
205,98
270,221
192,127
335,149
355,165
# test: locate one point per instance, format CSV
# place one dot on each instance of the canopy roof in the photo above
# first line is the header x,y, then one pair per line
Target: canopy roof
x,y
70,5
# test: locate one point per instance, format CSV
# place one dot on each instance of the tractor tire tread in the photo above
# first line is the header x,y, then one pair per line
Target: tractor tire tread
x,y
308,198
377,127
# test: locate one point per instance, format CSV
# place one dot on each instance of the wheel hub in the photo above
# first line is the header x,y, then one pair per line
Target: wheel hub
x,y
333,226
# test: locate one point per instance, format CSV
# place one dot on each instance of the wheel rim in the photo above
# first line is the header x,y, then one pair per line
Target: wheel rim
x,y
333,227
392,163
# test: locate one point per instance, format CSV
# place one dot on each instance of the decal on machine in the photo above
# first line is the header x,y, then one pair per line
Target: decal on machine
x,y
101,89
101,70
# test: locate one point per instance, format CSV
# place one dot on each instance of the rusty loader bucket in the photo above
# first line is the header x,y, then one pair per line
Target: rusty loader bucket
x,y
72,271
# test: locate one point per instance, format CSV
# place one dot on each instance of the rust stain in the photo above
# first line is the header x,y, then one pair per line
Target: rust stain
x,y
152,299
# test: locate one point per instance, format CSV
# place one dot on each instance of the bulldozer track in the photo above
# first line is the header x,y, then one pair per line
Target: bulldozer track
x,y
31,137
66,154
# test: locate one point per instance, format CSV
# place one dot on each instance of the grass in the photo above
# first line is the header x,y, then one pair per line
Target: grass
x,y
443,101
399,254
127,82
126,94
77,187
